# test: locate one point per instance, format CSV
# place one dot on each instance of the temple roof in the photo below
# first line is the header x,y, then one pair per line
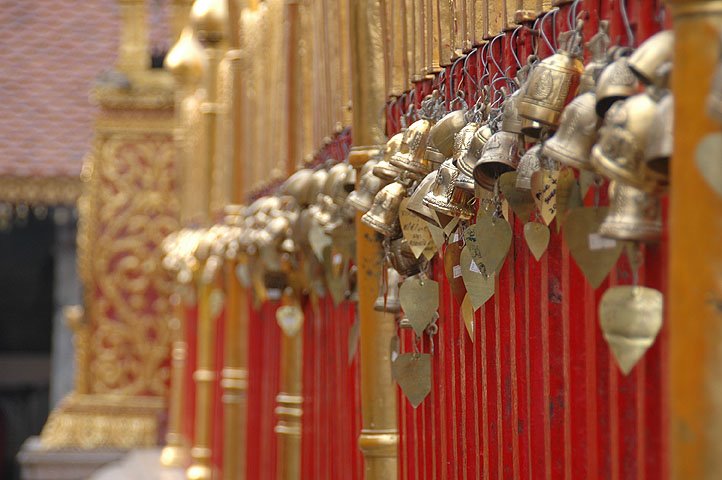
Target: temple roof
x,y
52,52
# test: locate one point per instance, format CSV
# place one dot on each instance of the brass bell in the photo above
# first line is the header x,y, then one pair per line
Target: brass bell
x,y
500,155
529,163
483,134
443,132
597,46
616,82
572,143
388,298
297,185
403,259
619,152
651,54
532,129
324,214
343,185
553,82
318,181
384,170
416,201
467,148
383,216
633,214
511,121
440,196
462,196
369,186
660,144
411,153
434,157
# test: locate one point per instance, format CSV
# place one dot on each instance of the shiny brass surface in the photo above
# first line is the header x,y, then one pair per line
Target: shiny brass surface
x,y
443,132
633,214
661,140
500,155
384,213
650,55
573,141
619,152
615,83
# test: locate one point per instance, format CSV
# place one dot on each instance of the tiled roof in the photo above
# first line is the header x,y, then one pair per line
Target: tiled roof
x,y
52,52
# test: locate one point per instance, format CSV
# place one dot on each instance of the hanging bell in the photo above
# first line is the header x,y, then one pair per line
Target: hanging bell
x,y
597,46
388,297
369,186
532,129
434,157
511,121
416,201
633,214
410,155
572,143
659,146
651,54
298,184
383,216
403,258
344,185
553,82
462,196
318,180
619,151
529,163
500,155
443,132
616,82
467,148
384,170
440,196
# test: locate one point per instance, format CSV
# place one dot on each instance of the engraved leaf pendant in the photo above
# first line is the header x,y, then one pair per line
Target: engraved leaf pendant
x,y
631,318
544,191
595,255
488,242
420,300
413,374
537,238
290,319
479,287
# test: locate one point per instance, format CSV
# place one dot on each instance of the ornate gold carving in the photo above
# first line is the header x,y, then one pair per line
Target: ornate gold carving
x,y
103,421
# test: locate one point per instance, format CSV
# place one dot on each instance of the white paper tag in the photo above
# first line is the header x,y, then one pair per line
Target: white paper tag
x,y
598,242
243,275
456,271
474,268
455,238
394,356
337,259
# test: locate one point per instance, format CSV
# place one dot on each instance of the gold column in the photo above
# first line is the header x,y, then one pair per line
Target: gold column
x,y
185,62
399,59
234,376
289,400
210,20
379,435
695,290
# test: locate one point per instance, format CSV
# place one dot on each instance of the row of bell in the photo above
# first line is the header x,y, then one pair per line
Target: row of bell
x,y
441,158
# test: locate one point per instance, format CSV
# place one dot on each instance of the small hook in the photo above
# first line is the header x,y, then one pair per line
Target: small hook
x,y
513,44
625,20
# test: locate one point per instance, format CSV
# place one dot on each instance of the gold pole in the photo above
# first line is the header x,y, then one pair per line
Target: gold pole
x,y
175,453
379,435
210,20
695,290
204,377
289,401
234,376
185,62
